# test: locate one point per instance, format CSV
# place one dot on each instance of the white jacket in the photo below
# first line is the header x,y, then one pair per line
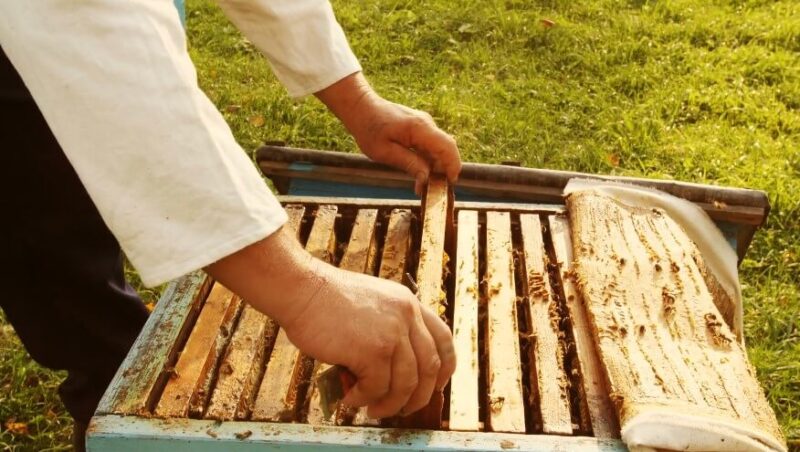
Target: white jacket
x,y
116,85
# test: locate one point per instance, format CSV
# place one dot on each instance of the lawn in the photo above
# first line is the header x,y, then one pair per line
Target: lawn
x,y
694,90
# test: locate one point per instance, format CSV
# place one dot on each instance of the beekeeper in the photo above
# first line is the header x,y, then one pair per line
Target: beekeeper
x,y
110,147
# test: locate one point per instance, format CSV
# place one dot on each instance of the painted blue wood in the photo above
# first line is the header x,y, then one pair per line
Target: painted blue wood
x,y
128,434
730,231
180,5
311,187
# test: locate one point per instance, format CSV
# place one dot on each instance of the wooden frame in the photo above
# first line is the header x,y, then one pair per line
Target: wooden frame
x,y
187,390
111,432
548,378
505,403
602,418
436,229
464,386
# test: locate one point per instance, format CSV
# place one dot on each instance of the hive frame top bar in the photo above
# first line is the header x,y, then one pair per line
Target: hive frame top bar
x,y
294,171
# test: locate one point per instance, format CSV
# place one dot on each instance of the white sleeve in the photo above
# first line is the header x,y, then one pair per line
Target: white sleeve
x,y
116,85
304,44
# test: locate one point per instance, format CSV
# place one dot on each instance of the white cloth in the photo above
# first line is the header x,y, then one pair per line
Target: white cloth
x,y
115,83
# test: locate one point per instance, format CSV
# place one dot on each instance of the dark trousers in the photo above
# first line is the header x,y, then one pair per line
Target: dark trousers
x,y
61,270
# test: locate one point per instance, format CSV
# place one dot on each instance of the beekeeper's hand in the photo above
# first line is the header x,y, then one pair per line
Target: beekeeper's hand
x,y
391,133
399,351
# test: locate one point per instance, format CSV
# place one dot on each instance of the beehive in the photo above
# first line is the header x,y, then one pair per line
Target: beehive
x,y
525,368
210,373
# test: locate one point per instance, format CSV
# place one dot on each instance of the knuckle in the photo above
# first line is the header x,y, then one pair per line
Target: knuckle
x,y
447,337
383,348
407,306
447,352
423,120
431,368
408,386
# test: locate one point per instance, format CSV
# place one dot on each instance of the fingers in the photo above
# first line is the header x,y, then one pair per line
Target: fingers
x,y
403,373
409,161
417,146
404,381
373,381
439,148
443,339
428,365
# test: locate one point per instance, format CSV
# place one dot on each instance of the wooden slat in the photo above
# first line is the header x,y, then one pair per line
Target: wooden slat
x,y
464,404
287,368
145,368
322,241
602,419
200,354
241,367
432,247
396,246
275,401
432,259
199,402
295,214
548,379
394,259
505,401
243,363
362,249
358,257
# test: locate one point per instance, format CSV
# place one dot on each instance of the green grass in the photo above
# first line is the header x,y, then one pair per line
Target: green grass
x,y
28,395
695,90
